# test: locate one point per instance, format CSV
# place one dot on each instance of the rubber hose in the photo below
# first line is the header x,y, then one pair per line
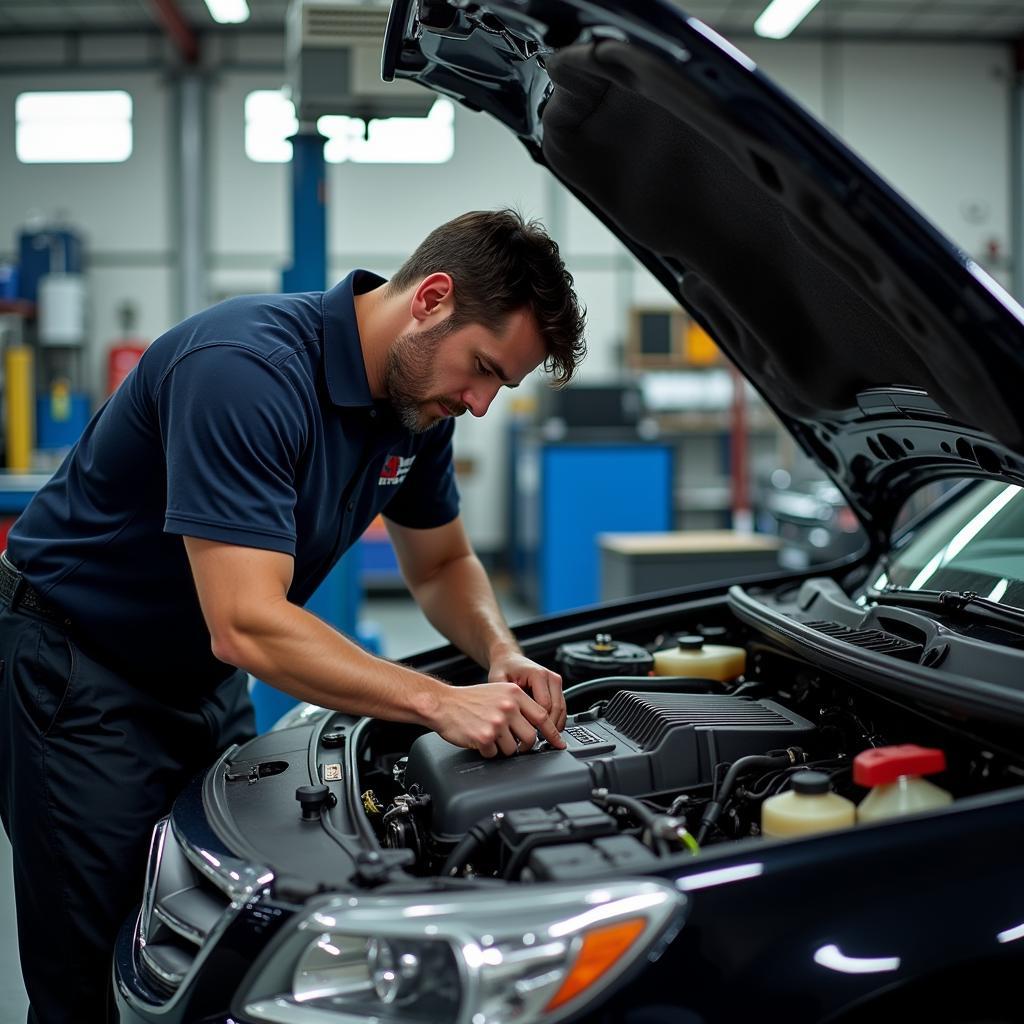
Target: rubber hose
x,y
475,839
642,813
736,769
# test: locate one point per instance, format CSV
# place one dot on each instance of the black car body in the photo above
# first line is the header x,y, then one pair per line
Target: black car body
x,y
415,882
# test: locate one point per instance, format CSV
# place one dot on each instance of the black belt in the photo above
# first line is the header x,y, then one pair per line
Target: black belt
x,y
15,590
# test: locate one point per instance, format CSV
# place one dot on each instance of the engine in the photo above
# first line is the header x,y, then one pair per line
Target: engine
x,y
638,744
653,766
551,813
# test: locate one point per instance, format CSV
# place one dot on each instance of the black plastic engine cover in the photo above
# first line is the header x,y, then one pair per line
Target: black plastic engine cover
x,y
465,787
642,743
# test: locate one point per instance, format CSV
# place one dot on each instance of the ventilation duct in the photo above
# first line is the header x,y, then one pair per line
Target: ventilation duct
x,y
332,57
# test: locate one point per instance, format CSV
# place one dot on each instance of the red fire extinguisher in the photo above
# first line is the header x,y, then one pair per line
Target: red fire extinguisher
x,y
124,353
120,359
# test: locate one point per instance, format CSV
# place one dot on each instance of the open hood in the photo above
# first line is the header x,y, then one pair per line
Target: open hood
x,y
889,354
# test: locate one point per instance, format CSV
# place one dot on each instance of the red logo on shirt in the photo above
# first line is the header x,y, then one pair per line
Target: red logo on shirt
x,y
395,469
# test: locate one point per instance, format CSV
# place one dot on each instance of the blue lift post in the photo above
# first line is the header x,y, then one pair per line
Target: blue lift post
x,y
337,599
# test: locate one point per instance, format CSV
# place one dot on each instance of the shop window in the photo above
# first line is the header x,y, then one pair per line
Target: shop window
x,y
73,127
270,120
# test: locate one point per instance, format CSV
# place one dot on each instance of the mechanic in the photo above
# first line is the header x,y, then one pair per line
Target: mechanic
x,y
171,554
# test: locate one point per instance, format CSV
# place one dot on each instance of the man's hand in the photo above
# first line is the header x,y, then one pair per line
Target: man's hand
x,y
545,687
492,717
450,585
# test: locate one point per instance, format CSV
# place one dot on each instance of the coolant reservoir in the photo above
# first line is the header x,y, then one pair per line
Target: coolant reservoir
x,y
809,806
894,773
691,656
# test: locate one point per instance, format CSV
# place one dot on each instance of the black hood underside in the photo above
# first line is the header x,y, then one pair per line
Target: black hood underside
x,y
885,351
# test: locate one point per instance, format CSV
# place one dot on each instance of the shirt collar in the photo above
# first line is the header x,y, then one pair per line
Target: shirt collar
x,y
344,368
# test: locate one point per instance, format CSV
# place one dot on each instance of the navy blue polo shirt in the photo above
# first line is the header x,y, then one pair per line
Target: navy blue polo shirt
x,y
250,423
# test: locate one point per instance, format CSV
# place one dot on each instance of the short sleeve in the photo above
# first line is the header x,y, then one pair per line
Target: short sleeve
x,y
428,496
233,431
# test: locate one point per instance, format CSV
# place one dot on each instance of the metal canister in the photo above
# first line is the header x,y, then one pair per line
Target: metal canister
x,y
600,657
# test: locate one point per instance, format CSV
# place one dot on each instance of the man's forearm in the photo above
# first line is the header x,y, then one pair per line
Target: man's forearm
x,y
253,625
460,602
296,652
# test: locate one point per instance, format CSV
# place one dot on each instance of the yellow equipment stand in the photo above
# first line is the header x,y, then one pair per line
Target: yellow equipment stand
x,y
19,414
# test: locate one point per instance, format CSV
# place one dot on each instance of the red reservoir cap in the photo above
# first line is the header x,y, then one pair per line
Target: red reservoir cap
x,y
886,764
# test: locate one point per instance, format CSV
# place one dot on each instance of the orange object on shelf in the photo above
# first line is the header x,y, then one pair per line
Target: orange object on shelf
x,y
698,347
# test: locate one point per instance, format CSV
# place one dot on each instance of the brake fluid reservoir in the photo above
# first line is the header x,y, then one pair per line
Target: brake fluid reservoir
x,y
895,777
692,656
809,806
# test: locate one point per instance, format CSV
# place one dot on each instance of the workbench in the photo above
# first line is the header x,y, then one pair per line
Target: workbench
x,y
640,563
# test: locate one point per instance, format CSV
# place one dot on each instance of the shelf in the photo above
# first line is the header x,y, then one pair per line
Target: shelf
x,y
711,423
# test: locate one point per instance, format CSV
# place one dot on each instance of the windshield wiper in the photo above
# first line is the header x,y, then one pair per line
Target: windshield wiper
x,y
953,603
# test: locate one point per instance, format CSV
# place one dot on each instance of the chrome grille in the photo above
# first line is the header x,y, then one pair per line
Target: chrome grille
x,y
191,895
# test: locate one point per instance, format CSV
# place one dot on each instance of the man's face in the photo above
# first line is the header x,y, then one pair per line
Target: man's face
x,y
431,373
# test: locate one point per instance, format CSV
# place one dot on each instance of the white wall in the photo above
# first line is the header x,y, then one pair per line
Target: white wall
x,y
932,118
123,211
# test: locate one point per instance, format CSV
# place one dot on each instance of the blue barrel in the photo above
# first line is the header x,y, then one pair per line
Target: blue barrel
x,y
54,250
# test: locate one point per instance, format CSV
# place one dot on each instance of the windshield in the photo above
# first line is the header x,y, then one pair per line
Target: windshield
x,y
975,544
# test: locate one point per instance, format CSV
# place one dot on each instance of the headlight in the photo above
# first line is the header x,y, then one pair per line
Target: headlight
x,y
363,974
527,955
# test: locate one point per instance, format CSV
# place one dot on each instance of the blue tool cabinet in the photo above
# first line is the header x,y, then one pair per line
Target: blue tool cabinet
x,y
566,493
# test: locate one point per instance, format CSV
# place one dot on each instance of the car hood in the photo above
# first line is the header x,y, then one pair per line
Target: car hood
x,y
889,354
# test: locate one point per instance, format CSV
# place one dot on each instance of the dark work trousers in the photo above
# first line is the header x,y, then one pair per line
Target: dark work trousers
x,y
89,761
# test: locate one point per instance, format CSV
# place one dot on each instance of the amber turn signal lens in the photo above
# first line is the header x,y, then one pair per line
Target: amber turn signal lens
x,y
601,948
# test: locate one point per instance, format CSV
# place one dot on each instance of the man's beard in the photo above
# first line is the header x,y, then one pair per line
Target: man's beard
x,y
409,378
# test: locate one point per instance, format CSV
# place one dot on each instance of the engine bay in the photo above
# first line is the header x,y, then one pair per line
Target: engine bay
x,y
693,727
661,765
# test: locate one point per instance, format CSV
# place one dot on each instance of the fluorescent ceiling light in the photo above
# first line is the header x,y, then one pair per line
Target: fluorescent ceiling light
x,y
228,12
779,18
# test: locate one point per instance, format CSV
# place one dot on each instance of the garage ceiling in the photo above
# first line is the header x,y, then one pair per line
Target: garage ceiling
x,y
904,19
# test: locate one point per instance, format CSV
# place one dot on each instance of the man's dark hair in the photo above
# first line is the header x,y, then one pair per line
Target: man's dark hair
x,y
500,263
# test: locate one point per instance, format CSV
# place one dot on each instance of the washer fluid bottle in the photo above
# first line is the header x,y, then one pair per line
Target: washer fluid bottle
x,y
809,806
894,775
692,656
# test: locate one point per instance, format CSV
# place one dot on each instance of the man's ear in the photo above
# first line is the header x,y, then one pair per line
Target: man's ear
x,y
433,299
